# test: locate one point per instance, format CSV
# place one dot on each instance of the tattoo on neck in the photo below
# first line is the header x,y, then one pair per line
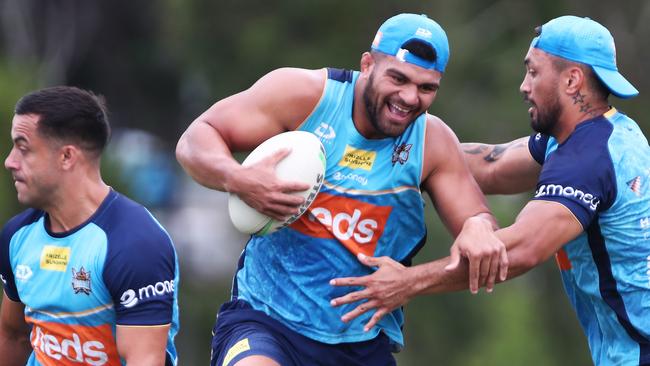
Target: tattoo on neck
x,y
578,98
585,106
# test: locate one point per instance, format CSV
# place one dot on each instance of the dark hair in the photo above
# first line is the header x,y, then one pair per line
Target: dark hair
x,y
70,115
421,50
417,48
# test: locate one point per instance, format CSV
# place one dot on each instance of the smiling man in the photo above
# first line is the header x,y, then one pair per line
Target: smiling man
x,y
381,148
590,164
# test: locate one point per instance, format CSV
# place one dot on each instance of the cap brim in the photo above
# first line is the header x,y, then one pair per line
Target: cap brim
x,y
616,83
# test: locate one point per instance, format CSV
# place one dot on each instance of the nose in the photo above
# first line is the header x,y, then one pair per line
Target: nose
x,y
524,88
409,94
10,162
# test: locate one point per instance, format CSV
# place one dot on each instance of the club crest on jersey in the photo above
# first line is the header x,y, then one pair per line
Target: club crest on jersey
x,y
401,153
81,281
635,185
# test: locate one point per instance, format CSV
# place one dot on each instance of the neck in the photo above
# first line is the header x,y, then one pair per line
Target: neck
x,y
360,116
76,203
579,110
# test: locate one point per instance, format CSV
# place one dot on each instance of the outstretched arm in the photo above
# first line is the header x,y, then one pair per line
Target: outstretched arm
x,y
14,333
502,169
276,103
528,240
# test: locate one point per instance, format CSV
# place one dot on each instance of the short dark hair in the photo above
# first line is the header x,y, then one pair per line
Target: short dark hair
x,y
70,115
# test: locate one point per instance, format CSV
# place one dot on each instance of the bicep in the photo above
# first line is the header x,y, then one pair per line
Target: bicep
x,y
142,345
277,102
450,185
502,169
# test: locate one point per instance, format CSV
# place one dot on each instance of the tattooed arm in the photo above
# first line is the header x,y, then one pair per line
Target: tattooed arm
x,y
502,169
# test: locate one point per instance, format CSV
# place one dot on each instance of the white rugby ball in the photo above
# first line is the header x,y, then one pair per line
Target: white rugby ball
x,y
305,163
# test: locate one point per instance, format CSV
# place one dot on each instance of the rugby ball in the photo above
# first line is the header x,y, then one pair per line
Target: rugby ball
x,y
305,163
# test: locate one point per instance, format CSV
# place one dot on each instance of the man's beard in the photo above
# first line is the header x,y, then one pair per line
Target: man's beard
x,y
547,118
373,107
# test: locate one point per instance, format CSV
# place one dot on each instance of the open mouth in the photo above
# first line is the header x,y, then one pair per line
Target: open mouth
x,y
399,111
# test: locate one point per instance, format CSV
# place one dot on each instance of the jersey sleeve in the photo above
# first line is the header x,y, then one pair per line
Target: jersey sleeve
x,y
141,272
8,232
581,178
537,144
6,273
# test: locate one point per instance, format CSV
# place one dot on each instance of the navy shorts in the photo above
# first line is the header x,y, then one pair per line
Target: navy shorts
x,y
241,331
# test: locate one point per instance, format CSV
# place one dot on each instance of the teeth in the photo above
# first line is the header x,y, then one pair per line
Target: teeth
x,y
403,110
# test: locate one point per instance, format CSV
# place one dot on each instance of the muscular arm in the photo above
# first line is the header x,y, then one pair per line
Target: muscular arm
x,y
502,169
14,333
142,346
276,103
461,206
448,180
528,239
529,242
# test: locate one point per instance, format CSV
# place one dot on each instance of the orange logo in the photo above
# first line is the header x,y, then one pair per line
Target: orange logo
x,y
355,224
58,344
562,259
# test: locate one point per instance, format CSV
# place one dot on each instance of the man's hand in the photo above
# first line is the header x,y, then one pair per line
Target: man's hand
x,y
385,290
258,186
486,254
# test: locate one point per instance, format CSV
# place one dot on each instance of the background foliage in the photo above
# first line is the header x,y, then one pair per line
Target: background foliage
x,y
161,63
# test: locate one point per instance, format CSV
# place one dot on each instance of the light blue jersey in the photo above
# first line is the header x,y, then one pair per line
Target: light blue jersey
x,y
602,174
117,268
370,203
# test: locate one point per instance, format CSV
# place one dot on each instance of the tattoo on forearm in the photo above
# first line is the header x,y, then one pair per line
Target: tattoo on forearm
x,y
498,150
474,149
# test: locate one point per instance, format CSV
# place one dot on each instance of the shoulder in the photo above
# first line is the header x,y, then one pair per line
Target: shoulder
x,y
128,225
294,83
441,146
439,136
17,222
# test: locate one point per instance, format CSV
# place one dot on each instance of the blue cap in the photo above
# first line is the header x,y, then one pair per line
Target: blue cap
x,y
586,41
402,28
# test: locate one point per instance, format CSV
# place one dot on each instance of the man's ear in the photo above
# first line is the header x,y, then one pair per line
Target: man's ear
x,y
367,64
575,80
69,155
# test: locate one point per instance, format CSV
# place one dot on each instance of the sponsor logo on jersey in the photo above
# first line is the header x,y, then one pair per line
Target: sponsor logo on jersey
x,y
338,176
81,281
354,158
57,344
2,278
23,272
556,190
239,347
325,131
131,298
562,259
401,153
55,258
635,185
357,225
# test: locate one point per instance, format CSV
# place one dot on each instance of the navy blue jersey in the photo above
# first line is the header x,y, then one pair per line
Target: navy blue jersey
x,y
601,174
117,268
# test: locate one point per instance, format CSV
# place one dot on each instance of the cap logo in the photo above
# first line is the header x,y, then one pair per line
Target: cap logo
x,y
401,54
375,42
423,33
